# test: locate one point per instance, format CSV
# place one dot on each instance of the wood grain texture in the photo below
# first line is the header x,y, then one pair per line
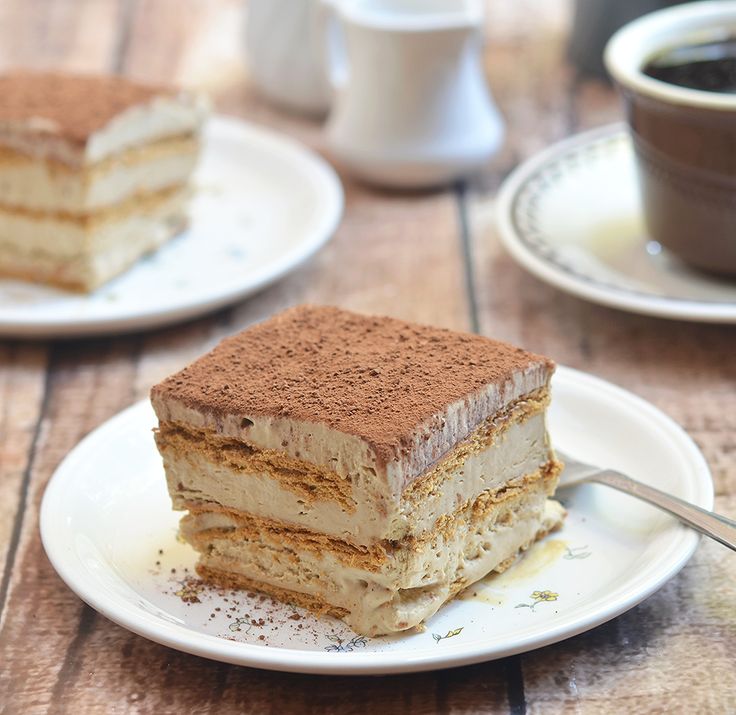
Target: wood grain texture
x,y
675,652
89,383
373,264
428,257
43,34
23,372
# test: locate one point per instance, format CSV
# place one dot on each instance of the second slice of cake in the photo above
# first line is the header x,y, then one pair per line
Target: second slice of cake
x,y
359,466
94,174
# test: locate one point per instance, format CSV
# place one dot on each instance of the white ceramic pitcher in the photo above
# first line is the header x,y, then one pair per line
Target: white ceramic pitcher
x,y
411,105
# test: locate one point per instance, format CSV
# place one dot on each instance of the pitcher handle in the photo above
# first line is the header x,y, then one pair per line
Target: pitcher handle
x,y
336,56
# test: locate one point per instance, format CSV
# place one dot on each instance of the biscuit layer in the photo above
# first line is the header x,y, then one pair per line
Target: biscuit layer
x,y
394,586
202,467
31,184
81,255
336,388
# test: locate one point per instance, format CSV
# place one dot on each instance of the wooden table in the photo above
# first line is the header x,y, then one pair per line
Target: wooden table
x,y
427,257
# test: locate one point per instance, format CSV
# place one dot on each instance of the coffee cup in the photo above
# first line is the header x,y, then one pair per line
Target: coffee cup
x,y
684,134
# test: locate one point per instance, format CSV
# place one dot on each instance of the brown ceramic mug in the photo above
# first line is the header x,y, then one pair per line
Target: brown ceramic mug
x,y
684,139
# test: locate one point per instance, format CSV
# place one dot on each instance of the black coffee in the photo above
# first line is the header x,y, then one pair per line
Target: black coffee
x,y
709,66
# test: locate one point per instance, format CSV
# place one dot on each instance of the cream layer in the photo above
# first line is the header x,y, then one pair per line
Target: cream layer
x,y
162,117
410,584
36,184
351,456
208,474
82,256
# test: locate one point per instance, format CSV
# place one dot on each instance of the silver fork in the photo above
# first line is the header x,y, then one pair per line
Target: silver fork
x,y
706,522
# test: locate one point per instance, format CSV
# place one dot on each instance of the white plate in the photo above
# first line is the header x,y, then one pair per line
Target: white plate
x,y
572,216
263,205
106,514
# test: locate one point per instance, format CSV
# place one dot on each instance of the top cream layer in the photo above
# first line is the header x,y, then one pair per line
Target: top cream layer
x,y
162,117
357,509
406,392
347,454
352,394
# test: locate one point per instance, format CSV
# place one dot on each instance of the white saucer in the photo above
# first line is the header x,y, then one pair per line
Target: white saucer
x,y
106,514
572,216
263,205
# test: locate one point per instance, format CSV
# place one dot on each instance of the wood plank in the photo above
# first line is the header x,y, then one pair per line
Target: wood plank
x,y
595,103
372,265
373,261
675,651
79,36
37,33
630,349
91,382
22,389
195,43
393,255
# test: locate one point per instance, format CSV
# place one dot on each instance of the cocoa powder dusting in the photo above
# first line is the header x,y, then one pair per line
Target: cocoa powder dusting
x,y
374,377
69,106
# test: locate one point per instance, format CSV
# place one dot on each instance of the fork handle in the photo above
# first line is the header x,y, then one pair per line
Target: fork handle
x,y
706,522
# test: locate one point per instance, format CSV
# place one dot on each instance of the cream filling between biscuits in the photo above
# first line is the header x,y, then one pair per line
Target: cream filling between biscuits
x,y
349,454
194,477
71,255
38,185
59,237
411,584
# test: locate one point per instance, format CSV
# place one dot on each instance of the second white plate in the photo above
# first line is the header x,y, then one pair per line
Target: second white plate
x,y
263,204
108,529
572,216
